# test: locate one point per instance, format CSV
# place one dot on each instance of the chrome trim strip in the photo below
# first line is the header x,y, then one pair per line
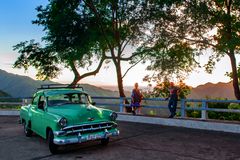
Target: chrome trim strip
x,y
83,125
80,138
59,133
91,128
87,129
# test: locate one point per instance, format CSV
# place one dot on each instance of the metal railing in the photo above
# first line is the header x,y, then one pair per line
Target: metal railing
x,y
120,102
182,107
204,106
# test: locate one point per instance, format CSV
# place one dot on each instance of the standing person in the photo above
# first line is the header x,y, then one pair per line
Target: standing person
x,y
173,97
136,99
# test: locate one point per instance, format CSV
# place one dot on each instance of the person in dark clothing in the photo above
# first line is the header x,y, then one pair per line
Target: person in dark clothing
x,y
136,99
173,98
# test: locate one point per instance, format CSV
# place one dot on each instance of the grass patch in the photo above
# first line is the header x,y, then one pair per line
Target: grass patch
x,y
10,107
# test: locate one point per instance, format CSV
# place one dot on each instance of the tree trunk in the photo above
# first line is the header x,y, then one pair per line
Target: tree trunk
x,y
231,51
234,75
120,80
77,77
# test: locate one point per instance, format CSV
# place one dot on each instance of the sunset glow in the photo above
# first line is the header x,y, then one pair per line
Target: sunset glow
x,y
16,26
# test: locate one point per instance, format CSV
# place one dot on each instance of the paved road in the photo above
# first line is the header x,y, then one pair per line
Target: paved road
x,y
137,141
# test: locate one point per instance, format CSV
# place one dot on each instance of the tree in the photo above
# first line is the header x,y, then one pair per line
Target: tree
x,y
200,19
43,59
224,16
191,25
71,40
128,23
77,30
169,54
162,89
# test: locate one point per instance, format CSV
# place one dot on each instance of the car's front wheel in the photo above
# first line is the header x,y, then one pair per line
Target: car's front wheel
x,y
27,130
105,141
52,147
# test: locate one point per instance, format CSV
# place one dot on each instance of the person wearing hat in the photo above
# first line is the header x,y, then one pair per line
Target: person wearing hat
x,y
173,98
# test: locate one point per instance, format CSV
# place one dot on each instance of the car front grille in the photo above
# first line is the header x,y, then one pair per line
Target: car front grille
x,y
88,128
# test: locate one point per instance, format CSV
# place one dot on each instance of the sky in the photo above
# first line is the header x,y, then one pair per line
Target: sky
x,y
16,26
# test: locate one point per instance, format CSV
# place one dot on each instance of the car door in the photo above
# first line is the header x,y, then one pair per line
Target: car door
x,y
37,115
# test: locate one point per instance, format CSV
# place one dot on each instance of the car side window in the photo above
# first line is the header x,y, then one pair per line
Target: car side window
x,y
35,100
83,98
42,102
74,98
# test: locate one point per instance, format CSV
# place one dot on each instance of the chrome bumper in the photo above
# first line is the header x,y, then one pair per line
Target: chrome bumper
x,y
83,138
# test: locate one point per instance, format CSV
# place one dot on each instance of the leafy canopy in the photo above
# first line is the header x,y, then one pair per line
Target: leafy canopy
x,y
71,39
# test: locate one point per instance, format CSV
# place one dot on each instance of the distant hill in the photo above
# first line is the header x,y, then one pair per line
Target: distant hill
x,y
219,90
210,90
18,86
23,86
4,94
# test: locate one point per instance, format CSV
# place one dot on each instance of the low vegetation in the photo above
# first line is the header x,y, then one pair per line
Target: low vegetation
x,y
14,107
214,114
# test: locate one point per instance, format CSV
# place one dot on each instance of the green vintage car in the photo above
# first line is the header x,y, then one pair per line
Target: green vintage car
x,y
65,115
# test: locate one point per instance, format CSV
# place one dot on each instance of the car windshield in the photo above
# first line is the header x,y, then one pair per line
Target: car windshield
x,y
69,98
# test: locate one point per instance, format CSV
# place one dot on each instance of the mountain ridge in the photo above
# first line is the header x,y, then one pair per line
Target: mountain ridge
x,y
213,90
23,86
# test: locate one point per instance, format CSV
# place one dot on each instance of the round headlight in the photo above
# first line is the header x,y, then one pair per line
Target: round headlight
x,y
113,116
62,122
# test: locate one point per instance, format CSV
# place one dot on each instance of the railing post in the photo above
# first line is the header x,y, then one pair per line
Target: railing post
x,y
183,108
203,110
121,104
23,102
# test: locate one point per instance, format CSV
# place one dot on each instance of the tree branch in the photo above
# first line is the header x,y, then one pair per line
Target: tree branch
x,y
125,58
96,70
193,40
93,8
132,66
199,41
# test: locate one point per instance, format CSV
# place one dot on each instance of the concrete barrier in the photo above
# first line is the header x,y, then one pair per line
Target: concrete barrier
x,y
177,122
9,113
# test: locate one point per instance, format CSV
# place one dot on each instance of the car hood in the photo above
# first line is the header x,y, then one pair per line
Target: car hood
x,y
80,114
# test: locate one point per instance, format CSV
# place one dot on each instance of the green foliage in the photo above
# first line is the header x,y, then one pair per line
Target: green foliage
x,y
127,23
43,59
162,90
224,116
218,115
218,105
234,116
194,24
214,114
233,106
71,40
9,99
221,17
170,58
152,113
230,74
71,28
193,113
10,107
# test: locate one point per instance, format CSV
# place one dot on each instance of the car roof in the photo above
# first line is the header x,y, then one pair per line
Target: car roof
x,y
51,92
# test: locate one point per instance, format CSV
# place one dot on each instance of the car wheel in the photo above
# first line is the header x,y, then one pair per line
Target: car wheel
x,y
52,147
105,141
28,132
